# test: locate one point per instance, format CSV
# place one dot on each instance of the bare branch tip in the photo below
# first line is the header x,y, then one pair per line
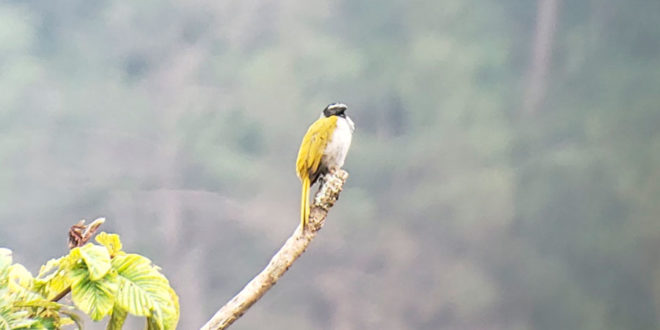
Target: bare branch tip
x,y
79,234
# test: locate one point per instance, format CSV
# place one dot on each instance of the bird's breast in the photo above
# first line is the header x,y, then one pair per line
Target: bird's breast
x,y
340,141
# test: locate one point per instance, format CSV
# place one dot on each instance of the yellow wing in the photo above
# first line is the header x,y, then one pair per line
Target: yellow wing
x,y
313,145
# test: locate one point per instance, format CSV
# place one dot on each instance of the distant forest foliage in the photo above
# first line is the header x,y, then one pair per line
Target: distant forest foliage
x,y
504,174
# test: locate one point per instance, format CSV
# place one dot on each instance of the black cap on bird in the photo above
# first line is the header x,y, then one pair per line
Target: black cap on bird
x,y
335,109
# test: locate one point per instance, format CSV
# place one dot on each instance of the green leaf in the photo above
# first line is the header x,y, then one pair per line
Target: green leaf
x,y
96,257
19,275
94,297
5,262
43,303
53,278
20,283
56,285
144,291
111,242
152,324
50,268
171,320
117,319
38,324
14,319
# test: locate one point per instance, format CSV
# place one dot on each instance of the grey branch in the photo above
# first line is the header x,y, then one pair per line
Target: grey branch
x,y
284,258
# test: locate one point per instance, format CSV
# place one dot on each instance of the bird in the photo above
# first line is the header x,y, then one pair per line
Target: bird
x,y
323,150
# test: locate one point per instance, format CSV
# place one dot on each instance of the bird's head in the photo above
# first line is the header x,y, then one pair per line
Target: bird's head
x,y
335,109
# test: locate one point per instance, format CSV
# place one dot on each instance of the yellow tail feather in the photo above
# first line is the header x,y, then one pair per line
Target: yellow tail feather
x,y
304,203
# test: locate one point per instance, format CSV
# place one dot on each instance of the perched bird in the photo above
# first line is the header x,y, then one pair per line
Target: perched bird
x,y
323,150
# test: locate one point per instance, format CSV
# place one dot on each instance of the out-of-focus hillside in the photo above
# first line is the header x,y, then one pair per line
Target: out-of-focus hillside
x,y
505,170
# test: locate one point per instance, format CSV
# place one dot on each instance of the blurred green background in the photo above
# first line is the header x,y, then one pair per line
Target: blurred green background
x,y
505,171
